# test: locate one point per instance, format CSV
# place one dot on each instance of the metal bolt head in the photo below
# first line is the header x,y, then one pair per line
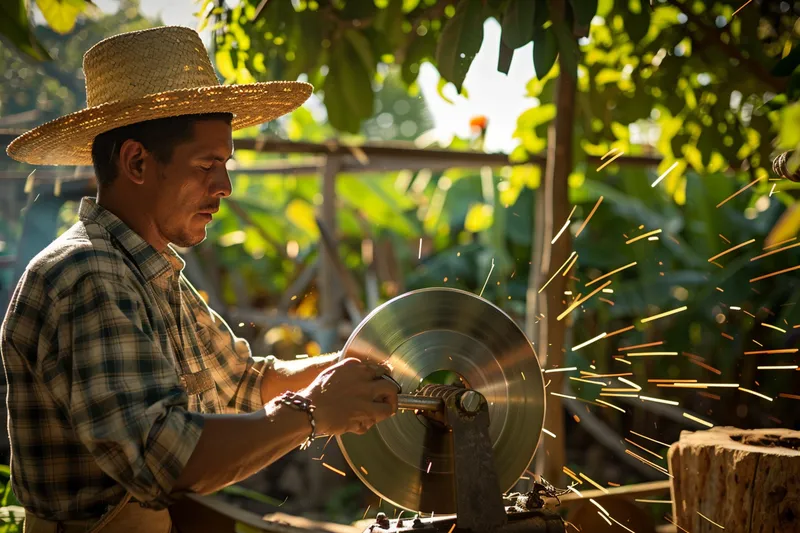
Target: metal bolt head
x,y
471,401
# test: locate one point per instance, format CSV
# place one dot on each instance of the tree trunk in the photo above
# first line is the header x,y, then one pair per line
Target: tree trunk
x,y
747,481
552,209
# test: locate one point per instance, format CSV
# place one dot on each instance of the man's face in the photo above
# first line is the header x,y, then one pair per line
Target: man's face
x,y
187,190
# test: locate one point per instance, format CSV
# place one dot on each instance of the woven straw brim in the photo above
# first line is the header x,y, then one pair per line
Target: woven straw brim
x,y
68,140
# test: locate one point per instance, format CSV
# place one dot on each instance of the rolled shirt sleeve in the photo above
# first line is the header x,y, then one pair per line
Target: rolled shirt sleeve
x,y
126,403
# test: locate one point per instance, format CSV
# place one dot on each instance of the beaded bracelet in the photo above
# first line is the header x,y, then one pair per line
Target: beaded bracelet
x,y
301,403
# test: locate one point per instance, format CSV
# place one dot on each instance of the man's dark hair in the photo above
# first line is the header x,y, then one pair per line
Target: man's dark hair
x,y
159,137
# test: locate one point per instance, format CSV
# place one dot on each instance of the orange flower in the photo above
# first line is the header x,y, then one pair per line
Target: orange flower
x,y
479,123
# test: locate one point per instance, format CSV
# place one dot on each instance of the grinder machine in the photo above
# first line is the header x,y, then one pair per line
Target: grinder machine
x,y
472,403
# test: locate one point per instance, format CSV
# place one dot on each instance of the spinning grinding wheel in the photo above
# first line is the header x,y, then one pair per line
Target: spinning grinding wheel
x,y
407,460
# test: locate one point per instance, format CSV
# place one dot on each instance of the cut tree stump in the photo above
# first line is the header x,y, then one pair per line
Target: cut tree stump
x,y
747,481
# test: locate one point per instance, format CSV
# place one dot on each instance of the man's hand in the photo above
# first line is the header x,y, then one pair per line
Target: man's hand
x,y
351,397
294,375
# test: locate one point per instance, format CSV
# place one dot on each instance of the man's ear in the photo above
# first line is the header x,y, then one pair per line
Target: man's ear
x,y
132,160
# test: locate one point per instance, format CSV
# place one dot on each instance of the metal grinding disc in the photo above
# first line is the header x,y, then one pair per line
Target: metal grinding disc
x,y
405,459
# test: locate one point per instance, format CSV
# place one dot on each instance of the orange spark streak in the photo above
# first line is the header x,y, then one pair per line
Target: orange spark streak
x,y
734,14
773,327
643,236
727,336
329,467
732,248
648,438
662,315
612,406
623,330
698,420
649,463
614,158
593,375
647,345
364,470
606,300
775,251
610,274
707,367
765,352
612,151
778,273
643,448
698,385
591,213
754,393
737,193
698,512
593,482
779,243
708,395
787,395
674,524
566,270
724,239
672,381
452,528
648,354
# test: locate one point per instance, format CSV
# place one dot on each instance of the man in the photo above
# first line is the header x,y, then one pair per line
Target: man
x,y
123,385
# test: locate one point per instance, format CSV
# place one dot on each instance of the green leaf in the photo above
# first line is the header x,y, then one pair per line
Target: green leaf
x,y
584,10
420,49
545,50
504,58
518,23
460,41
61,14
788,64
15,27
567,48
637,24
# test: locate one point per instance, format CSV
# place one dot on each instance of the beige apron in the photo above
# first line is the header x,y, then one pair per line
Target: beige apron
x,y
126,517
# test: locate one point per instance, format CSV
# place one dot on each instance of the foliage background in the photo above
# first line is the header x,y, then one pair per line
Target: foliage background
x,y
707,91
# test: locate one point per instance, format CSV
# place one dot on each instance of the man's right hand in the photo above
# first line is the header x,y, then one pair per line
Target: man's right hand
x,y
351,397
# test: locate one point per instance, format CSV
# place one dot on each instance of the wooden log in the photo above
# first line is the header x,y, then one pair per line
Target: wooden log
x,y
747,481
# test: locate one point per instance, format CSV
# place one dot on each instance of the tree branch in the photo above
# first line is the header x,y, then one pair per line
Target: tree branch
x,y
733,52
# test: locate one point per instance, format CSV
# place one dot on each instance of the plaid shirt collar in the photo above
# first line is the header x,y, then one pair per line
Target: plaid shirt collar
x,y
150,261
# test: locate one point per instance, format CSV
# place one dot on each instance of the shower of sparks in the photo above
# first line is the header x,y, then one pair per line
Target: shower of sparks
x,y
565,369
734,14
662,315
566,224
590,341
775,251
658,400
611,405
593,482
647,354
754,393
604,517
737,193
649,463
773,327
549,432
419,255
591,213
631,383
648,438
588,381
599,506
614,158
329,467
646,345
698,420
563,396
487,278
611,274
582,300
664,175
629,441
778,367
698,512
643,236
766,352
593,375
732,248
775,245
556,272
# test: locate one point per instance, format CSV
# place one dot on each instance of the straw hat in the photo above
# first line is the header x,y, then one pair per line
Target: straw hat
x,y
146,75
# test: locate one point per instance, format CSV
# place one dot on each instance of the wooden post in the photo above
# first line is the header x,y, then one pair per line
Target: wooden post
x,y
746,481
552,209
329,290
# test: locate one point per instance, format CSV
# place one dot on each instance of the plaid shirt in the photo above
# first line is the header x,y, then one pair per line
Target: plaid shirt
x,y
104,384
